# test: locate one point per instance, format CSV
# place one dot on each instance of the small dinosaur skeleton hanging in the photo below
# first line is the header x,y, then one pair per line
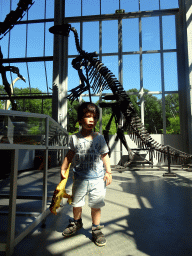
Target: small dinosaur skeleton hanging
x,y
8,88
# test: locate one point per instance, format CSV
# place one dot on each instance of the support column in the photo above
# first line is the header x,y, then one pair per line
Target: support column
x,y
189,89
60,69
184,45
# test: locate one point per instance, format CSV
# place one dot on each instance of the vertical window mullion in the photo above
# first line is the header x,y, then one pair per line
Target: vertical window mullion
x,y
9,43
81,43
26,54
141,71
44,44
100,57
81,7
120,64
162,75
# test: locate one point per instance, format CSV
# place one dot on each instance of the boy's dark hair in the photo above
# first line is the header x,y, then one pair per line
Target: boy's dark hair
x,y
87,107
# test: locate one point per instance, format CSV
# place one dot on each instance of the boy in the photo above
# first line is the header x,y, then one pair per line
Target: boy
x,y
90,152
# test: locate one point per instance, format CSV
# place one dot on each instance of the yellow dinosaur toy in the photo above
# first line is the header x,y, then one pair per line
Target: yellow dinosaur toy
x,y
59,193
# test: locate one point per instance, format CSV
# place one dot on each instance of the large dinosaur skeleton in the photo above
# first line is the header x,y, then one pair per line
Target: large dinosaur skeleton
x,y
94,75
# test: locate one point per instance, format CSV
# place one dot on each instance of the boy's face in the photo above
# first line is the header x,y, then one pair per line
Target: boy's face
x,y
89,120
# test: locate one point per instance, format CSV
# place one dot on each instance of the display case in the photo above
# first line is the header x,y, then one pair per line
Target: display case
x,y
27,131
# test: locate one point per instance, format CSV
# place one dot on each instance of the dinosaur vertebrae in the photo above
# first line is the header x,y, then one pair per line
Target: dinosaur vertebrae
x,y
100,78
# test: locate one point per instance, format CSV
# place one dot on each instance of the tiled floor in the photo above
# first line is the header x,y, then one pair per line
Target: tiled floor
x,y
145,214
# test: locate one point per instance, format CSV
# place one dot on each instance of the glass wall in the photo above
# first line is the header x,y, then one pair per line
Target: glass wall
x,y
149,53
146,48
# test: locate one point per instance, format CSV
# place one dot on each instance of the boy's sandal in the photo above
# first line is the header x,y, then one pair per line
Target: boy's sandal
x,y
72,228
98,236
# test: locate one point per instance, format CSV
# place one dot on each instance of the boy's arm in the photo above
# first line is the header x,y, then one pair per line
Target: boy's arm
x,y
67,160
108,175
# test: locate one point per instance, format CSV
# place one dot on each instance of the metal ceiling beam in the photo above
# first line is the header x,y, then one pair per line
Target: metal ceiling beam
x,y
114,16
27,97
28,59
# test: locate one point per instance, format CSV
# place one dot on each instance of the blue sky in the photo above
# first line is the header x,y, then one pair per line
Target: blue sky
x,y
131,73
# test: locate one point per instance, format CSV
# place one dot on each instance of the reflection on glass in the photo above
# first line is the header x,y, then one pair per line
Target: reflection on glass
x,y
129,5
37,10
131,72
152,72
108,6
130,35
153,114
170,71
91,36
48,40
30,131
37,75
49,67
135,99
169,4
150,34
50,9
5,6
172,113
148,5
22,130
91,7
18,41
169,36
109,36
72,8
35,40
56,135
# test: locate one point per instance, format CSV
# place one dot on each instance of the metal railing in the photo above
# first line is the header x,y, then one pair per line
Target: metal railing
x,y
37,132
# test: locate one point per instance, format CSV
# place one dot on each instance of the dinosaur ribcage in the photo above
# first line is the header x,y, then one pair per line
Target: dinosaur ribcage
x,y
101,78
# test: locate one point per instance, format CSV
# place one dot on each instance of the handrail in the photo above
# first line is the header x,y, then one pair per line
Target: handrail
x,y
12,241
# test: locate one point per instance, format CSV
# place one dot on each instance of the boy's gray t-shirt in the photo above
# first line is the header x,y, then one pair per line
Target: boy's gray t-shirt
x,y
87,161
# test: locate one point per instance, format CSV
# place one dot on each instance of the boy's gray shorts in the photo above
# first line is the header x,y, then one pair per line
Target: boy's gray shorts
x,y
96,190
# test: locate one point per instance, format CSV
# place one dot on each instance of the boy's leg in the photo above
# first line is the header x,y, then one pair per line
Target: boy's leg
x,y
96,216
97,190
79,191
77,211
97,235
